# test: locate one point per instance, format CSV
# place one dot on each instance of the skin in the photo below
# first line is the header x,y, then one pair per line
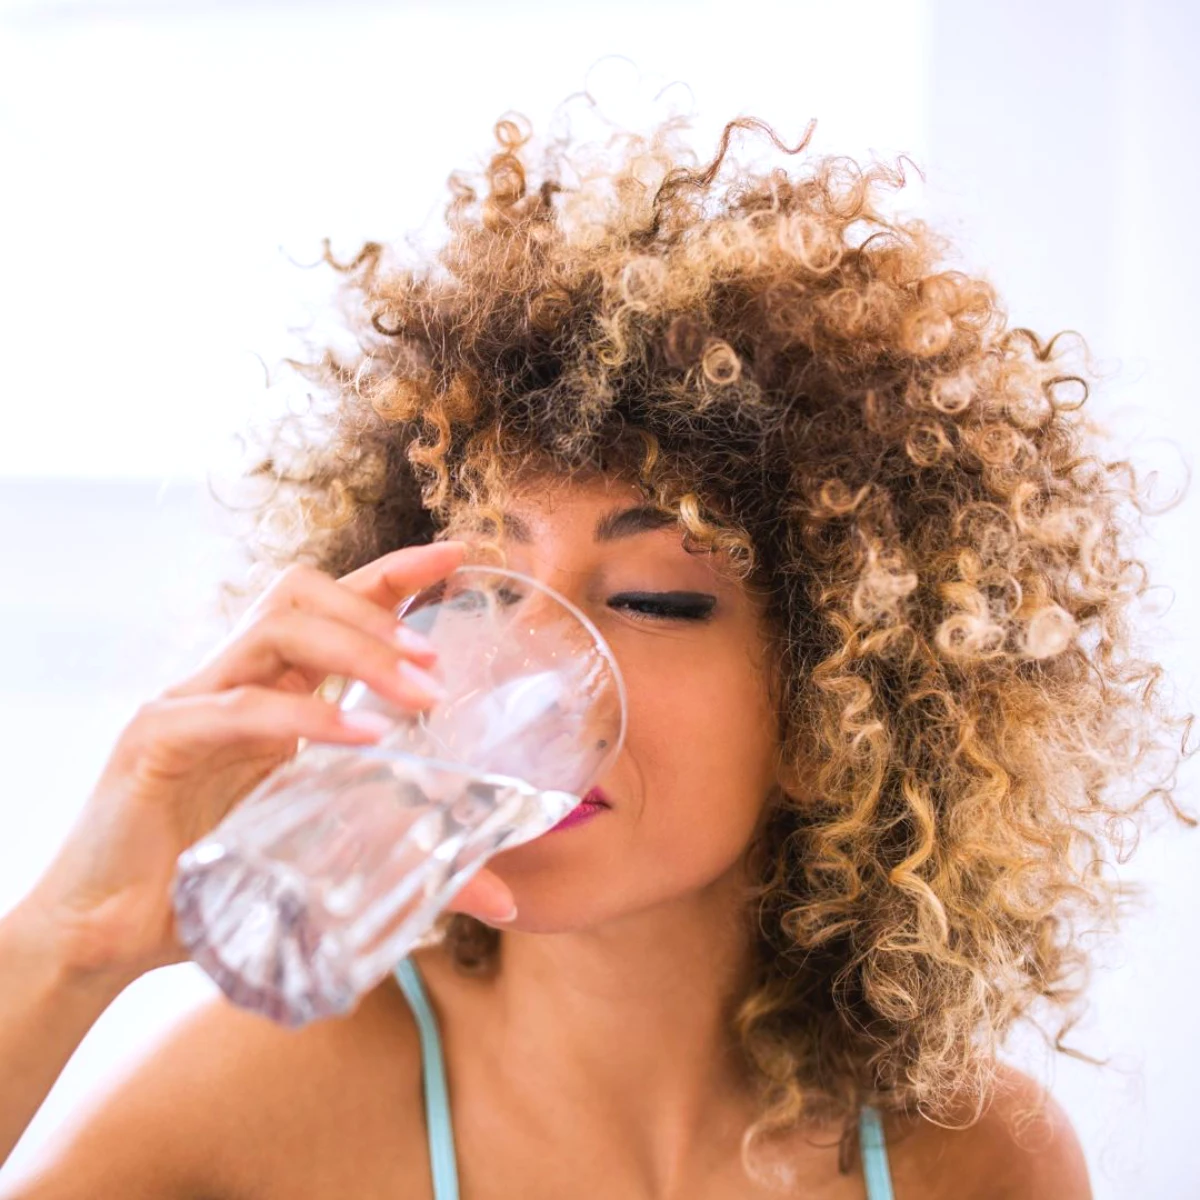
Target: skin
x,y
594,1061
101,915
620,1010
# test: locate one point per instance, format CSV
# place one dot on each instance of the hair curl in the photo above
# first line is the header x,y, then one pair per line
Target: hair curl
x,y
912,487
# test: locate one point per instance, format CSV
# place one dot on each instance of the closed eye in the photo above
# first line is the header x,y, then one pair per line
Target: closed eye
x,y
666,606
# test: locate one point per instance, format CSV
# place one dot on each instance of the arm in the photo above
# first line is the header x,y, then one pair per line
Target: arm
x,y
227,1104
101,915
46,1009
158,1129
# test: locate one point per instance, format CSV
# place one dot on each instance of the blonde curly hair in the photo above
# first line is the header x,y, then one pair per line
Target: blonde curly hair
x,y
910,484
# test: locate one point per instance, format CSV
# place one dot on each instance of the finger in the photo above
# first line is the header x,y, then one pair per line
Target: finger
x,y
251,713
391,579
246,714
486,896
317,591
303,588
357,599
316,646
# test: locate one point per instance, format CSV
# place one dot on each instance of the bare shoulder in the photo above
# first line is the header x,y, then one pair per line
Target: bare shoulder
x,y
1022,1146
228,1104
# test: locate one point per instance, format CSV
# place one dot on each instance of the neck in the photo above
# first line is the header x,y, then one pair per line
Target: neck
x,y
627,1027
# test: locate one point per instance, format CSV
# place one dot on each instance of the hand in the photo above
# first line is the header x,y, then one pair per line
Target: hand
x,y
189,755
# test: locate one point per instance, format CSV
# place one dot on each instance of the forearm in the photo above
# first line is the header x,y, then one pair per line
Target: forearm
x,y
46,1009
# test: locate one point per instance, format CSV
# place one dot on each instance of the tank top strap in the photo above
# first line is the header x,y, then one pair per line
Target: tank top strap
x,y
433,1073
874,1155
442,1157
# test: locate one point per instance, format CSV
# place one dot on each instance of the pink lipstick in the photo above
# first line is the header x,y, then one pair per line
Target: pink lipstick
x,y
592,805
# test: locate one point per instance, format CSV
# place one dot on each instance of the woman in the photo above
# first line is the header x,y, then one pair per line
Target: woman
x,y
867,580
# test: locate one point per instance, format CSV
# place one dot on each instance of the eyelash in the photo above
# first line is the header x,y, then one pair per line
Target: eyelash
x,y
652,607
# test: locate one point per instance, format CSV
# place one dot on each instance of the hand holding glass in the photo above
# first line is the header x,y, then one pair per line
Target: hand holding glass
x,y
324,877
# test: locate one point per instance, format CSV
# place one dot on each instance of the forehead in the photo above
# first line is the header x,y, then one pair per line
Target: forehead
x,y
608,514
615,516
604,509
538,505
547,493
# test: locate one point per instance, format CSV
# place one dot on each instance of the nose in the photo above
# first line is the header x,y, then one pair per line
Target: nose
x,y
547,621
543,584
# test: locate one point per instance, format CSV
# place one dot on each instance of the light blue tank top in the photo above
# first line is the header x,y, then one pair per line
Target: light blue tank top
x,y
441,1134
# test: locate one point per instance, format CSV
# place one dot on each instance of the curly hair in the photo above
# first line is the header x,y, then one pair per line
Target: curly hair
x,y
968,731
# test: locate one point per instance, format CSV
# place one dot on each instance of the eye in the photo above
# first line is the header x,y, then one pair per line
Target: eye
x,y
666,606
471,599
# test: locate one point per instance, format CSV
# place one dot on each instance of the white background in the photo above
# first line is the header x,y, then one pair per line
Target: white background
x,y
166,165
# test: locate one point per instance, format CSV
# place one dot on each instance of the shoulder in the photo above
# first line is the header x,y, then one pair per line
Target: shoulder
x,y
227,1103
1022,1146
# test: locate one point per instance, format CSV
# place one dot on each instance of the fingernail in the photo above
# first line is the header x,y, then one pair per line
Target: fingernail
x,y
511,915
414,642
370,722
422,681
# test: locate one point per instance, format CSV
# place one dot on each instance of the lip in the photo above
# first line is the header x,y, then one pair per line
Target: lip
x,y
592,805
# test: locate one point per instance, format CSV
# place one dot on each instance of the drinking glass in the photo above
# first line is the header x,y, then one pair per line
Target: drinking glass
x,y
321,879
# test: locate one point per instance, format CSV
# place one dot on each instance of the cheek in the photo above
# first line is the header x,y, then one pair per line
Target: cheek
x,y
703,745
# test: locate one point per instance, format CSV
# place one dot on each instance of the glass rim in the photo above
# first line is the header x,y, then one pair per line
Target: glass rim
x,y
598,638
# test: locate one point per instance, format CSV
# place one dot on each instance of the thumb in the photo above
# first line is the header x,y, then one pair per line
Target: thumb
x,y
486,896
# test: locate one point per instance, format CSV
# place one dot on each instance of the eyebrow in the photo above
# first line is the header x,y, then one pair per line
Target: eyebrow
x,y
611,527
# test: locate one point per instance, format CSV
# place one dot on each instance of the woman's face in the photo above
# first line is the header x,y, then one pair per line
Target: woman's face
x,y
698,759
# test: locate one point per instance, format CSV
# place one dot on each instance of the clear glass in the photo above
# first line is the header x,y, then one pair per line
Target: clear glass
x,y
318,882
